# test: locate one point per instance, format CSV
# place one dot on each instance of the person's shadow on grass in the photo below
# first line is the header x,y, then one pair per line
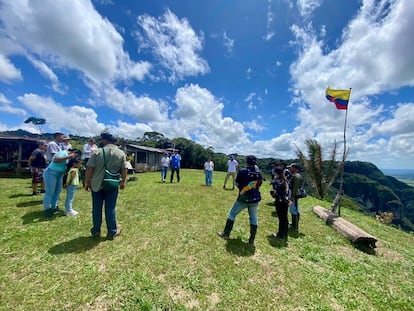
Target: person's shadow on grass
x,y
29,203
38,216
78,245
278,243
240,248
19,195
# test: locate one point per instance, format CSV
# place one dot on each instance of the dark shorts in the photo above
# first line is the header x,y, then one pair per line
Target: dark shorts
x,y
37,175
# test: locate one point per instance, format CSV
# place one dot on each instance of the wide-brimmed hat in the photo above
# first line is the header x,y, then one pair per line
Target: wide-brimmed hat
x,y
65,137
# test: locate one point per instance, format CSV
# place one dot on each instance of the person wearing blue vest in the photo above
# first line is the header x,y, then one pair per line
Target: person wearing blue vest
x,y
175,163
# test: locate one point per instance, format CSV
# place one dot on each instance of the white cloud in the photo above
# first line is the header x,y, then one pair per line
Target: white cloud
x,y
372,57
306,7
8,72
174,43
6,106
70,35
74,119
228,43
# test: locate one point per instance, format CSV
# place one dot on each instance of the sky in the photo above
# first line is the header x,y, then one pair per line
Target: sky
x,y
241,76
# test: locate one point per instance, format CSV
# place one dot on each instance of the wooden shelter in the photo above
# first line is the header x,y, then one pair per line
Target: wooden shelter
x,y
145,158
15,152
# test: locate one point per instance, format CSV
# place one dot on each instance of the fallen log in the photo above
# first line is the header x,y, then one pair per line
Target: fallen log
x,y
347,229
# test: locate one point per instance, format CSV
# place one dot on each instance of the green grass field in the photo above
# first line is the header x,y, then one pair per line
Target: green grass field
x,y
170,258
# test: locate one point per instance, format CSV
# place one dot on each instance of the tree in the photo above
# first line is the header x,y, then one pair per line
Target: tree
x,y
321,174
39,122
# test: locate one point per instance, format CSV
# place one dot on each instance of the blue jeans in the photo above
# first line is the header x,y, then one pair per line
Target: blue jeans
x,y
53,187
98,199
238,207
70,195
164,171
209,177
294,208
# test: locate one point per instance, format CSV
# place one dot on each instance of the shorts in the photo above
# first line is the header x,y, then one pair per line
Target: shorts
x,y
37,175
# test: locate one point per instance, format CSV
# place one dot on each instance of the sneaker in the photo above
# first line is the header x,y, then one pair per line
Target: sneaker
x,y
35,193
72,213
49,213
42,191
223,235
56,209
112,236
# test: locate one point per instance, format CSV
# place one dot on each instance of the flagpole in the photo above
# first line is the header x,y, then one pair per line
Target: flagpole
x,y
341,191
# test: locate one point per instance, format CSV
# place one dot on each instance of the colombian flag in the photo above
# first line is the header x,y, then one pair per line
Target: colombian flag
x,y
339,97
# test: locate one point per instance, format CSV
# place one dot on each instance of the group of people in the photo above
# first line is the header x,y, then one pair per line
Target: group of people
x,y
286,182
173,162
56,166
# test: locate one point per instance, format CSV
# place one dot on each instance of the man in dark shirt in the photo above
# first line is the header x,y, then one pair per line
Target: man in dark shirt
x,y
248,181
37,162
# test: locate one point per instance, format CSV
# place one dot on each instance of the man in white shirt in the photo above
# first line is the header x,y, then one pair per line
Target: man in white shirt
x,y
231,170
54,146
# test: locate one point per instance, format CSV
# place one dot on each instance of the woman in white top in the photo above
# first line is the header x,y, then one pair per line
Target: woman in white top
x,y
88,148
208,170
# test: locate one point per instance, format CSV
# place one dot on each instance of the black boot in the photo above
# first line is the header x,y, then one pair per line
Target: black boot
x,y
227,229
253,230
295,222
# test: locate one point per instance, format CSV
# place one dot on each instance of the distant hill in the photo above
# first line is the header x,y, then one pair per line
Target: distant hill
x,y
377,193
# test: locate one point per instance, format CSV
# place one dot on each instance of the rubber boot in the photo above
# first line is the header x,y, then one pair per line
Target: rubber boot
x,y
253,230
295,222
227,229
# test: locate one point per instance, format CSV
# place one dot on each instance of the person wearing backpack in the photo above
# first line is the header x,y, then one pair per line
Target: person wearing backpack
x,y
295,186
248,180
281,194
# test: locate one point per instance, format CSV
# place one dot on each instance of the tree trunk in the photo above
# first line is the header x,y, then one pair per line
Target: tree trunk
x,y
347,229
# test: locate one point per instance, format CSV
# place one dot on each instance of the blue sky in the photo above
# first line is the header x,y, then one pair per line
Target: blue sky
x,y
245,76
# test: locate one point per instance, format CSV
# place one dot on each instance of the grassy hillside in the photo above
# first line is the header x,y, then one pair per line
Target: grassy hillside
x,y
170,258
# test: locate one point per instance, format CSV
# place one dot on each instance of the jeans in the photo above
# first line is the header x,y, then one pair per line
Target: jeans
x,y
209,177
53,184
175,169
238,207
294,208
98,199
70,195
164,171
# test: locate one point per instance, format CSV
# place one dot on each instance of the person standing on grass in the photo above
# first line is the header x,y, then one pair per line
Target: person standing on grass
x,y
88,149
175,164
71,185
296,181
54,146
248,181
53,177
208,171
165,163
232,166
37,162
115,161
281,194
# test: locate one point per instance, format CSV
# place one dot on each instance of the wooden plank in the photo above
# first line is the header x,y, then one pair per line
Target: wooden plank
x,y
347,229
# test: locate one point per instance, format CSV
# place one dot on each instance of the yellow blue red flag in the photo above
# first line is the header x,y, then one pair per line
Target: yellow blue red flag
x,y
339,97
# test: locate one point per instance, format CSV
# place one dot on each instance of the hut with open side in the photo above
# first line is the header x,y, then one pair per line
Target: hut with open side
x,y
145,159
15,152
